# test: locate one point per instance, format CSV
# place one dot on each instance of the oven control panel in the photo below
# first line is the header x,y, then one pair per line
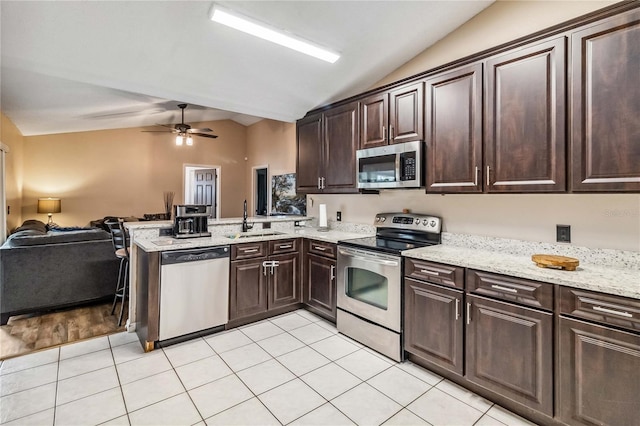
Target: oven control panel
x,y
419,222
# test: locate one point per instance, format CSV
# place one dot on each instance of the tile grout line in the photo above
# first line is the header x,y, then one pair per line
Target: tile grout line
x,y
115,367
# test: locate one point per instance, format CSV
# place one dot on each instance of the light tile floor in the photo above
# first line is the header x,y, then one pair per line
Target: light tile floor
x,y
292,369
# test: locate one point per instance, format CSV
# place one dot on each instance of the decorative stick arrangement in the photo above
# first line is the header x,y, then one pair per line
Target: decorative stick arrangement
x,y
168,202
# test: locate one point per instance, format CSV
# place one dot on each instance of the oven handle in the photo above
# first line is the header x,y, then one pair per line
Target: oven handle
x,y
374,260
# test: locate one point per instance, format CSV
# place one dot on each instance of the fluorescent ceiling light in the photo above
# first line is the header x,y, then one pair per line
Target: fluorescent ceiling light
x,y
260,30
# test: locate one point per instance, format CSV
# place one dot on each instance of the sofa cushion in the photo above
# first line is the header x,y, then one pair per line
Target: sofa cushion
x,y
56,237
32,224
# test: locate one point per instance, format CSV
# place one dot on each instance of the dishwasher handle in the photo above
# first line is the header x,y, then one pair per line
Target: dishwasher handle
x,y
194,255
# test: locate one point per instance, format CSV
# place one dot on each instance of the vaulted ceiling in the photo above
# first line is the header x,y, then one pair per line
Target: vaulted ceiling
x,y
70,66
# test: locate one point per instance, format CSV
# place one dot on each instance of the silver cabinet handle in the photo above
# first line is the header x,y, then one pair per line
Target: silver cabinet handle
x,y
333,273
612,311
488,172
249,250
324,180
457,309
264,269
319,182
391,133
428,272
475,179
319,248
468,313
285,246
499,287
384,133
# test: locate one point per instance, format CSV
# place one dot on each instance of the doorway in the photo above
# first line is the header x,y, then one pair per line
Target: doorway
x,y
202,186
261,190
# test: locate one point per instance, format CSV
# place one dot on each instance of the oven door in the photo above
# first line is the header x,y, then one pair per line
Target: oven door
x,y
369,286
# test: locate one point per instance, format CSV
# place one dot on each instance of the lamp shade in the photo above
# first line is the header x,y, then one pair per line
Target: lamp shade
x,y
49,205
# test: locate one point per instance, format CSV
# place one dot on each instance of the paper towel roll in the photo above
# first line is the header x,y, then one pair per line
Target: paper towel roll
x,y
322,220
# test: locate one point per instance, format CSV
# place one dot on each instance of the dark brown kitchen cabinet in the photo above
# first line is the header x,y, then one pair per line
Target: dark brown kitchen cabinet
x,y
453,116
320,278
434,324
599,375
309,161
391,117
510,351
267,278
525,140
248,288
605,97
327,145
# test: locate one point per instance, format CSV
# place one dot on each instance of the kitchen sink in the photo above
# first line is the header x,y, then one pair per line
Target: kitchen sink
x,y
253,234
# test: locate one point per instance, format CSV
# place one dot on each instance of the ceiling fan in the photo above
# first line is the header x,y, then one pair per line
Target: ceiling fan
x,y
184,131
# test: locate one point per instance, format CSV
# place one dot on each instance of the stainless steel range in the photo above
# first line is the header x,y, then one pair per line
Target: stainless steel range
x,y
370,279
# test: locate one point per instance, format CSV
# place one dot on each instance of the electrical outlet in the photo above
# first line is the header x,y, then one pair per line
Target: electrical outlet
x,y
563,233
338,216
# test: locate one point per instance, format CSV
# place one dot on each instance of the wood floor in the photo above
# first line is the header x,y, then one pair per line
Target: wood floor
x,y
29,333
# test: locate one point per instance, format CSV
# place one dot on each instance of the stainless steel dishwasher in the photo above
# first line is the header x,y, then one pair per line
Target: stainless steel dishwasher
x,y
194,290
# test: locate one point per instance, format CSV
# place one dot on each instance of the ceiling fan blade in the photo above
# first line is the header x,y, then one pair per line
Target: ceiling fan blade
x,y
199,130
157,131
166,125
206,135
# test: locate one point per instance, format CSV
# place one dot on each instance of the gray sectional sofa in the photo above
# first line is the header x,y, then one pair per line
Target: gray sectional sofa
x,y
43,269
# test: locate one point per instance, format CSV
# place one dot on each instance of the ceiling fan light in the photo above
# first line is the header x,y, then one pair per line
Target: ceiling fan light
x,y
273,35
179,140
189,140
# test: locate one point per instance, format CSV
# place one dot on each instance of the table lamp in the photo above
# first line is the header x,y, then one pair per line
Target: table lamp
x,y
49,206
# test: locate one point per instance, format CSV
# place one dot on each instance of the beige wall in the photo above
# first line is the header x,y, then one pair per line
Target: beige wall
x,y
273,144
606,221
124,172
11,136
500,23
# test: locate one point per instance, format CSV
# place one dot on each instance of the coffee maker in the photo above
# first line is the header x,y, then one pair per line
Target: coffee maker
x,y
191,220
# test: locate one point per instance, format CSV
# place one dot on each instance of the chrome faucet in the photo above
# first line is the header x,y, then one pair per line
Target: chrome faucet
x,y
245,225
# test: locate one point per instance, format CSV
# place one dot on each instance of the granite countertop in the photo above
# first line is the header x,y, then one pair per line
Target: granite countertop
x,y
169,243
220,221
606,279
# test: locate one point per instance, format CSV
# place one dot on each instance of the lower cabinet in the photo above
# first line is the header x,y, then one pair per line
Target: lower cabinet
x,y
433,324
267,277
599,375
320,278
510,351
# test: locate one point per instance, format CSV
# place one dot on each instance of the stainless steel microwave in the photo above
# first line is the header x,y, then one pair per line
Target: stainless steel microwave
x,y
391,166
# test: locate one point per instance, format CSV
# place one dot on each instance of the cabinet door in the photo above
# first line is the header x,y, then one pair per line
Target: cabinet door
x,y
309,160
599,375
605,97
510,351
525,124
284,281
321,285
433,324
247,288
454,131
406,113
339,149
374,113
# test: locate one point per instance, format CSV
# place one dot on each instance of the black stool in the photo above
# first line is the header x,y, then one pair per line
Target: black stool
x,y
121,248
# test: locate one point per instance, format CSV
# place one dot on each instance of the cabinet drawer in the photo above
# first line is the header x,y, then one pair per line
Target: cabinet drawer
x,y
437,273
322,248
283,246
604,308
248,250
518,290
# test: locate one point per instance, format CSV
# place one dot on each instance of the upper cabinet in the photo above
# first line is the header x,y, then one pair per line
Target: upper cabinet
x,y
525,140
392,117
453,116
605,96
327,144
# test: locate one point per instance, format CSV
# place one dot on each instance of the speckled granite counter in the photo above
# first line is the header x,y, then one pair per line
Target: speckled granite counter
x,y
590,276
168,243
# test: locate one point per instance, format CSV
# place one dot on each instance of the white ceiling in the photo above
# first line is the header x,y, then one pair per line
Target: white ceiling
x,y
70,66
